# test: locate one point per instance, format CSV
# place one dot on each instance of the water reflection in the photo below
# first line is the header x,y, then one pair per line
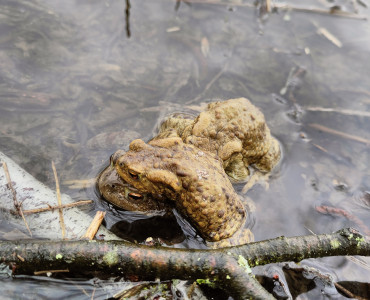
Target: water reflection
x,y
127,18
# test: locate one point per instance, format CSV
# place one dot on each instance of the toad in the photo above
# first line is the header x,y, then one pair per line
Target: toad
x,y
235,130
194,179
125,196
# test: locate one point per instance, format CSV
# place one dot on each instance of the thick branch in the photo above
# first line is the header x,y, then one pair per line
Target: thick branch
x,y
114,258
225,266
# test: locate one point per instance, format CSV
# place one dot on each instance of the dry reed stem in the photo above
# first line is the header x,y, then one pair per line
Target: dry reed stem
x,y
61,218
94,226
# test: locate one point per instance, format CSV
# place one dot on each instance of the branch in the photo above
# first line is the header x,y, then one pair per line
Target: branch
x,y
346,241
226,267
117,258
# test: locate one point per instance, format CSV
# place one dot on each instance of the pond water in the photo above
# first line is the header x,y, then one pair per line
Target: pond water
x,y
73,72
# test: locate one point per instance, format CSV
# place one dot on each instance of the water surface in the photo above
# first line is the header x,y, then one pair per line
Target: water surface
x,y
69,72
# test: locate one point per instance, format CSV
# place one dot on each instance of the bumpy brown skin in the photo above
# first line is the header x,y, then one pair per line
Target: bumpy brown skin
x,y
193,178
125,196
235,130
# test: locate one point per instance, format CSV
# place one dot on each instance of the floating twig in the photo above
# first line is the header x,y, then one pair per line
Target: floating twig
x,y
61,218
20,258
268,6
94,226
340,133
343,111
51,208
329,36
17,206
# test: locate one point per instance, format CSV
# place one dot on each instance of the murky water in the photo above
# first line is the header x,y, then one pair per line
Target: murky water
x,y
70,75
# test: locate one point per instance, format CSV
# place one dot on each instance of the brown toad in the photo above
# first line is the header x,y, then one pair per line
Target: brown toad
x,y
194,179
234,129
125,196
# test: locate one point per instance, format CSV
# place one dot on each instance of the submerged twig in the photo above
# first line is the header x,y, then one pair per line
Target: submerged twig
x,y
343,111
17,206
335,12
341,212
363,3
61,218
282,6
329,36
340,133
209,85
359,262
10,186
51,208
79,183
347,292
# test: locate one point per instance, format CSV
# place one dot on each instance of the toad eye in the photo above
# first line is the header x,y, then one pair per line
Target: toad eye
x,y
135,196
133,174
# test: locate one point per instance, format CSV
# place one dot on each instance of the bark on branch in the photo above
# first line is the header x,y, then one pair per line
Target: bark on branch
x,y
227,267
